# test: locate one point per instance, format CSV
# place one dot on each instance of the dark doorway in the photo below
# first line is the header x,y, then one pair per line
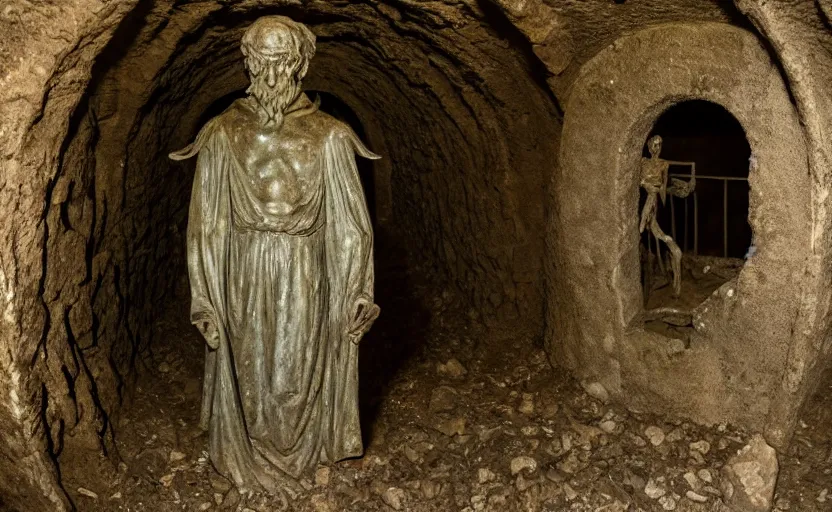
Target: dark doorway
x,y
705,133
710,225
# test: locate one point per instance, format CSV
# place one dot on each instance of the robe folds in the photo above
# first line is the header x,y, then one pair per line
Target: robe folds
x,y
280,393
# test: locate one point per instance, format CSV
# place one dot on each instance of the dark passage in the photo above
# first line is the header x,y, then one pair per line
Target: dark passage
x,y
707,134
710,225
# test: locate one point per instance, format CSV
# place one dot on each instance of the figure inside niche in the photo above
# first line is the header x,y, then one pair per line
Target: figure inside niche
x,y
281,270
654,180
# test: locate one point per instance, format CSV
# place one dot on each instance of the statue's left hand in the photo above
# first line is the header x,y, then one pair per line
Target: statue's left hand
x,y
364,313
680,188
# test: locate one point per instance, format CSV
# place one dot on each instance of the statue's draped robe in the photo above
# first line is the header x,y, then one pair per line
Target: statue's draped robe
x,y
281,390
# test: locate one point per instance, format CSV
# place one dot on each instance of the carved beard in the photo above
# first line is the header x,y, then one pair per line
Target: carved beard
x,y
275,100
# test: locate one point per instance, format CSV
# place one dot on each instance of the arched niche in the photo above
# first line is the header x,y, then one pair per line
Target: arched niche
x,y
732,367
707,150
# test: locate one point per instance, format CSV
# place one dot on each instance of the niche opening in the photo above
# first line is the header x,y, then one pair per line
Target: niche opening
x,y
705,211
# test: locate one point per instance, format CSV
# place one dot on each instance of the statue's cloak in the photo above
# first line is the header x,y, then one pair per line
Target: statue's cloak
x,y
281,390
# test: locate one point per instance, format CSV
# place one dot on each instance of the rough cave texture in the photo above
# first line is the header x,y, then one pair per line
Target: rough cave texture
x,y
732,369
443,93
462,100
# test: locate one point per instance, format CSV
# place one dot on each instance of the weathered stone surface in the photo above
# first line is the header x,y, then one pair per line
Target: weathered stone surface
x,y
742,340
749,477
93,93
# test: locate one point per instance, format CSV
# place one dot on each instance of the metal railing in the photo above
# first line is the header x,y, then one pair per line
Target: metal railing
x,y
685,246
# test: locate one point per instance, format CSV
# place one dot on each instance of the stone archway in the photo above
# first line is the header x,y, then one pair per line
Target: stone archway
x,y
733,367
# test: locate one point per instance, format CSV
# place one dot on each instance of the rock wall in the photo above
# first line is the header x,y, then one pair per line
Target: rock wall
x,y
447,93
800,36
730,369
94,93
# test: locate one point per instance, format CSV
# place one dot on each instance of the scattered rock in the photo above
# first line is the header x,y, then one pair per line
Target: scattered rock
x,y
655,435
607,426
320,503
220,484
705,476
485,475
453,369
322,477
394,497
430,488
452,427
702,447
522,483
667,503
633,480
569,492
176,456
822,497
412,455
654,488
571,464
205,506
443,399
521,463
749,477
530,430
232,499
527,404
167,480
597,390
692,481
88,493
677,434
554,475
698,498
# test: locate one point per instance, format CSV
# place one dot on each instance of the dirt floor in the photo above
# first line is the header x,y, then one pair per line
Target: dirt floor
x,y
701,276
457,417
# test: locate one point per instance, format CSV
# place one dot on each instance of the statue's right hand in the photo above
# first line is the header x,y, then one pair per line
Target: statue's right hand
x,y
209,331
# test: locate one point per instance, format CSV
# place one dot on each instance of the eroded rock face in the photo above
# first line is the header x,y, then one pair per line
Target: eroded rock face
x,y
98,213
744,335
749,477
94,93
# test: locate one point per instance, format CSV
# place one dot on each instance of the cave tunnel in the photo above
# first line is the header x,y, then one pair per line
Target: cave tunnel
x,y
509,369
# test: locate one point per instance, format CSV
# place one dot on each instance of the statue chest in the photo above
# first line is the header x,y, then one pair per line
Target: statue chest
x,y
280,174
653,172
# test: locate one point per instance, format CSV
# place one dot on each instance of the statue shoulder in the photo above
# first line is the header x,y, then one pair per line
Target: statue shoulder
x,y
205,133
336,130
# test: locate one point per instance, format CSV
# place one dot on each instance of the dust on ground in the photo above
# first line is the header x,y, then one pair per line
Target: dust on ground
x,y
457,417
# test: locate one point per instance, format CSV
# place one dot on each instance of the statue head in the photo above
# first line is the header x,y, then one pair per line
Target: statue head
x,y
277,52
655,146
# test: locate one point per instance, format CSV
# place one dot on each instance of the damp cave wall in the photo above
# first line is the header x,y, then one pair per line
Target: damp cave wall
x,y
94,94
106,219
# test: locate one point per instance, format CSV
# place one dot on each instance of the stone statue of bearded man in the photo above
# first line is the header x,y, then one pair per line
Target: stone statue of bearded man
x,y
281,270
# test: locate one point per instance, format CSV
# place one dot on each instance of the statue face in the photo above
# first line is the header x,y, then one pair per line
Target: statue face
x,y
655,145
277,54
274,84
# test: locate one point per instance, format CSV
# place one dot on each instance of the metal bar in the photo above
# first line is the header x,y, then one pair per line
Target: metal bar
x,y
728,178
695,223
687,220
725,219
672,219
